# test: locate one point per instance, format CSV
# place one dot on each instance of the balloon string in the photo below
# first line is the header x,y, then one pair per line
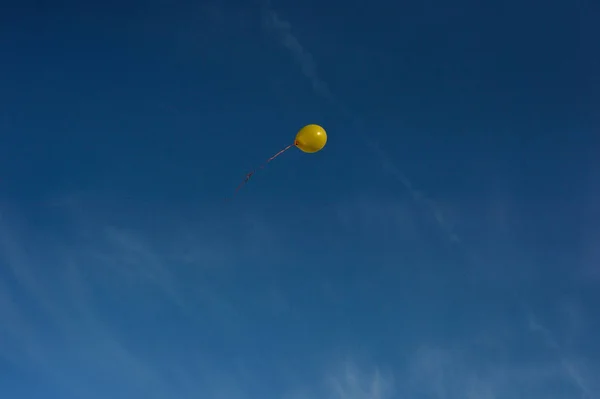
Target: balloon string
x,y
276,155
249,175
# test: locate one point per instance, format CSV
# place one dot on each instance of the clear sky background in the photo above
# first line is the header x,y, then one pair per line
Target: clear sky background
x,y
445,244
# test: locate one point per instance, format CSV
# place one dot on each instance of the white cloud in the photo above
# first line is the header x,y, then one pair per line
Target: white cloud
x,y
441,373
54,290
346,379
62,300
55,321
352,382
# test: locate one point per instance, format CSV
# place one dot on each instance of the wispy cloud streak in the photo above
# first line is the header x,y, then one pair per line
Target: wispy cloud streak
x,y
282,31
569,366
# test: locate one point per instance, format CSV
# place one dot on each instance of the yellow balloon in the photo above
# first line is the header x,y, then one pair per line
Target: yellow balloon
x,y
311,138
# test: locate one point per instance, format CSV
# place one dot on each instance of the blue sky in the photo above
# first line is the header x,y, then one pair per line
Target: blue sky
x,y
445,244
